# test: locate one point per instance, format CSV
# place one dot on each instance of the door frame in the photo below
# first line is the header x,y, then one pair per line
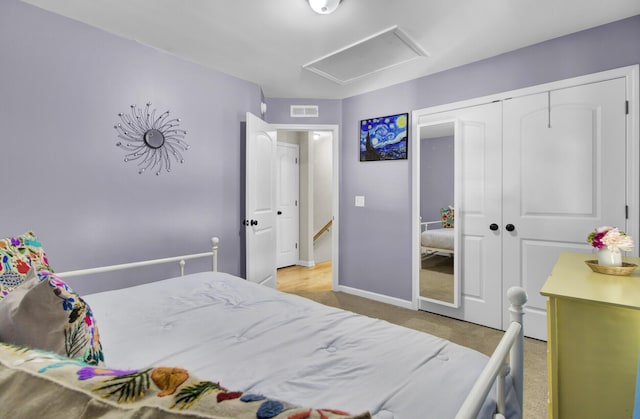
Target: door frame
x,y
335,242
631,75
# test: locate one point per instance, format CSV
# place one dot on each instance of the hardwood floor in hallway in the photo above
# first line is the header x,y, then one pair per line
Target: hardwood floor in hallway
x,y
301,278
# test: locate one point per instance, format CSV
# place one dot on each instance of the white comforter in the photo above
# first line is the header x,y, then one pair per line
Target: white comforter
x,y
253,338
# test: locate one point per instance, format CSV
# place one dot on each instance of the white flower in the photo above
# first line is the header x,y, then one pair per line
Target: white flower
x,y
602,229
615,241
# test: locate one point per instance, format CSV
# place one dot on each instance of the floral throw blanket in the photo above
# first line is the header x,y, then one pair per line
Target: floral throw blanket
x,y
37,383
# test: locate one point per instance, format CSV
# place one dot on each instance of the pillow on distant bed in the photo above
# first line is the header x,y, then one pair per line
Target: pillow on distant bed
x,y
447,215
45,313
17,255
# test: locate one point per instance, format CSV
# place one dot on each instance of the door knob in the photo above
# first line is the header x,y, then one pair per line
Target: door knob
x,y
510,227
279,212
493,227
254,222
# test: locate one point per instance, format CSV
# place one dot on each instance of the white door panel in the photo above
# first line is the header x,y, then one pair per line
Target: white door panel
x,y
287,204
478,194
260,187
472,283
544,255
564,172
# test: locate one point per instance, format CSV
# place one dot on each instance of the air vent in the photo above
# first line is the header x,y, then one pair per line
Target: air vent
x,y
304,111
386,49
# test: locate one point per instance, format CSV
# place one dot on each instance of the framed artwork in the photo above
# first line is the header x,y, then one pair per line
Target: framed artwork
x,y
384,138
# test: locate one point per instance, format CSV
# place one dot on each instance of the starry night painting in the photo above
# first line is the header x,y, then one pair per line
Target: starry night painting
x,y
384,138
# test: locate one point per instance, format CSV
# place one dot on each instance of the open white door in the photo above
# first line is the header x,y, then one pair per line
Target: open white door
x,y
260,211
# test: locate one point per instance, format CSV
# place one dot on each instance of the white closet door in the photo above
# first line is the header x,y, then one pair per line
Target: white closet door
x,y
480,189
478,194
564,175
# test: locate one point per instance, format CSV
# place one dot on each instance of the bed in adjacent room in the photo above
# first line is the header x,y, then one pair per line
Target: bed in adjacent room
x,y
438,236
215,340
435,240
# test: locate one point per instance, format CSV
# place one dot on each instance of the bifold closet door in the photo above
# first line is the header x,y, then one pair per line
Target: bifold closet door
x,y
478,189
480,192
563,175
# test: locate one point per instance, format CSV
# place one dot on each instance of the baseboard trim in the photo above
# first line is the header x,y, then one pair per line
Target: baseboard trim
x,y
307,263
376,297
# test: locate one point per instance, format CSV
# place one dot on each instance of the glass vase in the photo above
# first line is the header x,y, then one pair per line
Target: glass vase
x,y
607,257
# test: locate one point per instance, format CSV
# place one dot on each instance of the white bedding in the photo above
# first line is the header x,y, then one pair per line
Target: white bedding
x,y
441,238
257,339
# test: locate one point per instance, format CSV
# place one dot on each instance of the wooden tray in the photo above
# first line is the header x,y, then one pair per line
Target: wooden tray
x,y
624,270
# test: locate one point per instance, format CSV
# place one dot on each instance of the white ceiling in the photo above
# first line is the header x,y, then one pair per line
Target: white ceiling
x,y
269,41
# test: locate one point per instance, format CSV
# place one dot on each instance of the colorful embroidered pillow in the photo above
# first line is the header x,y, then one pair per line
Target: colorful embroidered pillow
x,y
447,215
12,271
45,313
17,255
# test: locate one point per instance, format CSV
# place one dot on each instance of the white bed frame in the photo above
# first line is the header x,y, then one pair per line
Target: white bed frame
x,y
182,260
511,345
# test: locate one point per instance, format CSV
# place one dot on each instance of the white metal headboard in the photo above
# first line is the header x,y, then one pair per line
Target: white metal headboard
x,y
215,241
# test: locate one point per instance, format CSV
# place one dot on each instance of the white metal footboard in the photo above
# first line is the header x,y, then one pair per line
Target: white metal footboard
x,y
180,259
512,344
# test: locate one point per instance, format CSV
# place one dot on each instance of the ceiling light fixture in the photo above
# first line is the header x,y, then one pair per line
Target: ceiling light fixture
x,y
324,7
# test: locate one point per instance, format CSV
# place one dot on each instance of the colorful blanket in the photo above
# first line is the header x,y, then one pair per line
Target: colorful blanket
x,y
36,383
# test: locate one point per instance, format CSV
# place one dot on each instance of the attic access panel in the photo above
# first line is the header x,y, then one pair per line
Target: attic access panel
x,y
378,52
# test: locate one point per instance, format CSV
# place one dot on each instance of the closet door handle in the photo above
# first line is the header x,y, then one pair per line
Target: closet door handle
x,y
510,227
493,227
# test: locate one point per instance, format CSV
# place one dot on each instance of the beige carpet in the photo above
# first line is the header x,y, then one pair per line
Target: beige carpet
x,y
436,277
480,338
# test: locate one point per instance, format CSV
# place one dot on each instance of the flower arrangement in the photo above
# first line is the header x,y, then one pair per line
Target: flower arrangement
x,y
611,238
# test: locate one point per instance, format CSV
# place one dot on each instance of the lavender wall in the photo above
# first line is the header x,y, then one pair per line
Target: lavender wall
x,y
436,176
63,83
278,111
375,241
61,87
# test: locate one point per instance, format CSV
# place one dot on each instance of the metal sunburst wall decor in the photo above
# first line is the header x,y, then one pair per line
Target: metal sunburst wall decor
x,y
153,141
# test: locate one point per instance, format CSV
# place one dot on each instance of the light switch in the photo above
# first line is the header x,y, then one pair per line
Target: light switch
x,y
359,201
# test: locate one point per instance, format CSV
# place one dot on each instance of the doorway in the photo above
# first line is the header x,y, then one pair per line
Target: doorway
x,y
313,242
313,197
260,198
